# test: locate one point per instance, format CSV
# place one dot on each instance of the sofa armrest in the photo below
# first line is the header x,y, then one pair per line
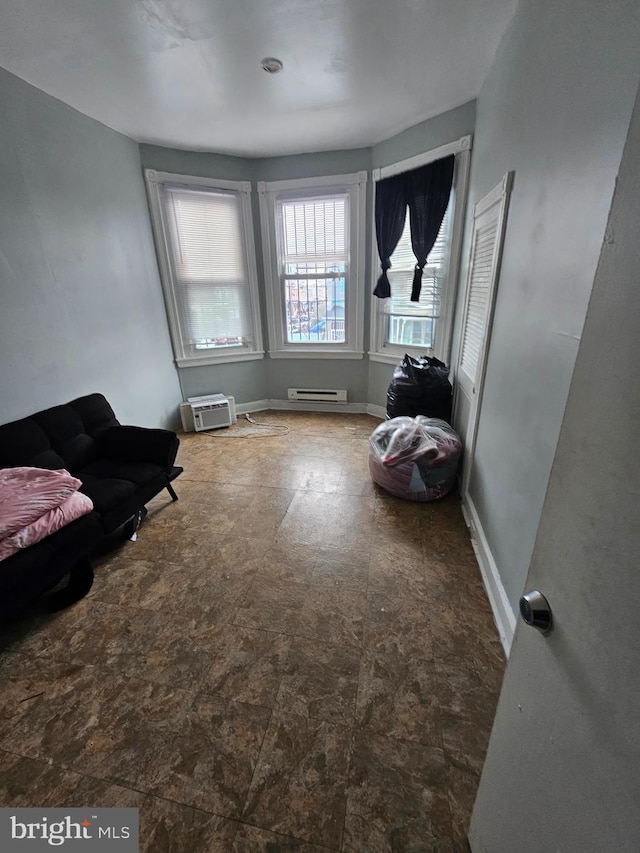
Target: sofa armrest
x,y
139,444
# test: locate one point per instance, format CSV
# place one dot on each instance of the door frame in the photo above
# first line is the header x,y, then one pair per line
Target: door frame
x,y
499,195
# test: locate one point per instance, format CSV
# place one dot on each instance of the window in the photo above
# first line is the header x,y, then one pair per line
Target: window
x,y
421,328
204,240
414,324
312,233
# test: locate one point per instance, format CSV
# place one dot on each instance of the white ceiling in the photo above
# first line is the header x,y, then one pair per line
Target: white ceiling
x,y
186,73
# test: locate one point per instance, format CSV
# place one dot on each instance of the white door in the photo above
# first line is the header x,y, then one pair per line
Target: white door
x,y
562,771
489,218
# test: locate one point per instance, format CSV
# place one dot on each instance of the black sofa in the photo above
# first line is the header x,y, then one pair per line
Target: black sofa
x,y
121,469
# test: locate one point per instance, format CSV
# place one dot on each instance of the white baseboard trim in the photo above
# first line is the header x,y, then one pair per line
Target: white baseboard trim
x,y
503,614
310,406
255,406
376,411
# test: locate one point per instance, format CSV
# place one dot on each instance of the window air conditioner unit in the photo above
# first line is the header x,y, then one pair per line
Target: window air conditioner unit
x,y
212,412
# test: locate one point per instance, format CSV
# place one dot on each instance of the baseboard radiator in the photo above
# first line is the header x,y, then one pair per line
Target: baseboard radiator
x,y
317,395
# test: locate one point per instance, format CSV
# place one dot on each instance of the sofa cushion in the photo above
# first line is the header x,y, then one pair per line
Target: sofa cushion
x,y
127,509
134,472
118,489
24,442
78,536
107,493
59,437
66,432
95,412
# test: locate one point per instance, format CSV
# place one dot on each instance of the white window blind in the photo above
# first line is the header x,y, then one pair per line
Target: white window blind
x,y
206,251
403,263
408,323
314,229
313,263
482,263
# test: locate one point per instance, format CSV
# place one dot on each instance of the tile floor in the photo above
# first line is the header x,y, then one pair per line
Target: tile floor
x,y
287,659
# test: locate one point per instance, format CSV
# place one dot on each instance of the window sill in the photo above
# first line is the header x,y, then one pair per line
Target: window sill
x,y
317,354
226,358
395,357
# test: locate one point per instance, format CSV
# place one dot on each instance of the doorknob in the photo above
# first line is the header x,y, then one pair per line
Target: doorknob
x,y
535,610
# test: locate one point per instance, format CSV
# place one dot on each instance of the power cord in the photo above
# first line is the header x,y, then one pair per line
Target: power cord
x,y
283,429
276,429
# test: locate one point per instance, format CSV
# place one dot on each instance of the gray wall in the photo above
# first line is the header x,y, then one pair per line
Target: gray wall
x,y
81,307
555,108
196,163
436,131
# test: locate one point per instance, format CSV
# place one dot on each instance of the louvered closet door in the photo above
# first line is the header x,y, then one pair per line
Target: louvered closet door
x,y
489,219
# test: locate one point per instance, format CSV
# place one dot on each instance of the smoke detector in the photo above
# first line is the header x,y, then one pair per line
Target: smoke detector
x,y
271,65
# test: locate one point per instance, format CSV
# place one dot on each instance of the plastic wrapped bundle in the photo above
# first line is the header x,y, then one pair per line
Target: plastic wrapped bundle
x,y
415,458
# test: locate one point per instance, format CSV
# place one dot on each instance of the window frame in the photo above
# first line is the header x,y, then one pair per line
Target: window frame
x,y
182,356
269,193
379,349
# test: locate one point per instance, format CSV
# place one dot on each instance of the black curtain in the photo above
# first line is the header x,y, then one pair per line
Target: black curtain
x,y
391,209
427,192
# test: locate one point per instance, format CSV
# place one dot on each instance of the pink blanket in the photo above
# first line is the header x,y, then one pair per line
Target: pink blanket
x,y
26,494
73,507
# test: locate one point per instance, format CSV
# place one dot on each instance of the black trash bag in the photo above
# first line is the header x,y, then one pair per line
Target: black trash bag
x,y
420,386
